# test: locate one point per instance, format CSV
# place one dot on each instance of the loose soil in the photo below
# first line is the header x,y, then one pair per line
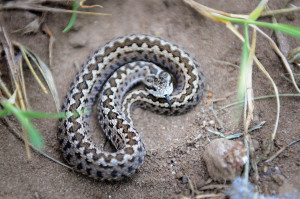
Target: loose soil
x,y
172,161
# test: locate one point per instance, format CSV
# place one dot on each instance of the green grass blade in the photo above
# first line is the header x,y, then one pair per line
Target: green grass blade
x,y
4,113
34,136
287,29
36,114
244,66
242,81
256,13
73,18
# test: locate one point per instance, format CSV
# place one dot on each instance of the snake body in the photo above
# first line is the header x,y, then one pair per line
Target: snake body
x,y
111,71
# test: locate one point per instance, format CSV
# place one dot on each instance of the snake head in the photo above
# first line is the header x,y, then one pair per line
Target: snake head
x,y
160,85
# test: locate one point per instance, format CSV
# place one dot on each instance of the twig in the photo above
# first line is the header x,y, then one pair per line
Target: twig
x,y
44,70
280,11
215,115
286,78
237,135
51,42
214,186
4,88
283,58
191,187
206,11
246,169
227,63
232,136
216,133
209,195
280,150
294,55
219,99
259,98
224,97
23,5
15,76
194,140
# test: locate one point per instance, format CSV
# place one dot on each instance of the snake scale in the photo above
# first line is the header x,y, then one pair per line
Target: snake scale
x,y
108,75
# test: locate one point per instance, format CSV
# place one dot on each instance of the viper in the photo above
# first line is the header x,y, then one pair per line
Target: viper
x,y
172,81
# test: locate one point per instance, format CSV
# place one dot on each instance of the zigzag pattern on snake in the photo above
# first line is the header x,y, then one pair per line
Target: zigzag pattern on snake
x,y
111,71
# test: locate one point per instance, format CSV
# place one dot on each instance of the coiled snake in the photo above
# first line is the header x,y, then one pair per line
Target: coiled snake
x,y
111,71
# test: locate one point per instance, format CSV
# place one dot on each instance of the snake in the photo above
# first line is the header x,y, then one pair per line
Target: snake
x,y
127,72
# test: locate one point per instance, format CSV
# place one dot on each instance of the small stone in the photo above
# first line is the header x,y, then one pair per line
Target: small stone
x,y
179,175
36,195
199,185
279,179
225,159
255,144
290,17
77,41
76,27
196,164
212,122
177,191
185,179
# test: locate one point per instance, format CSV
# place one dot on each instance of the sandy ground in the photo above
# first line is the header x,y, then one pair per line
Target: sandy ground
x,y
170,159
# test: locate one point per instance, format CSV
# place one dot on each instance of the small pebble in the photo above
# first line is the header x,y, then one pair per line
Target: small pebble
x,y
184,179
177,191
196,164
278,172
290,17
255,144
236,26
279,179
77,41
199,185
36,195
179,175
225,159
